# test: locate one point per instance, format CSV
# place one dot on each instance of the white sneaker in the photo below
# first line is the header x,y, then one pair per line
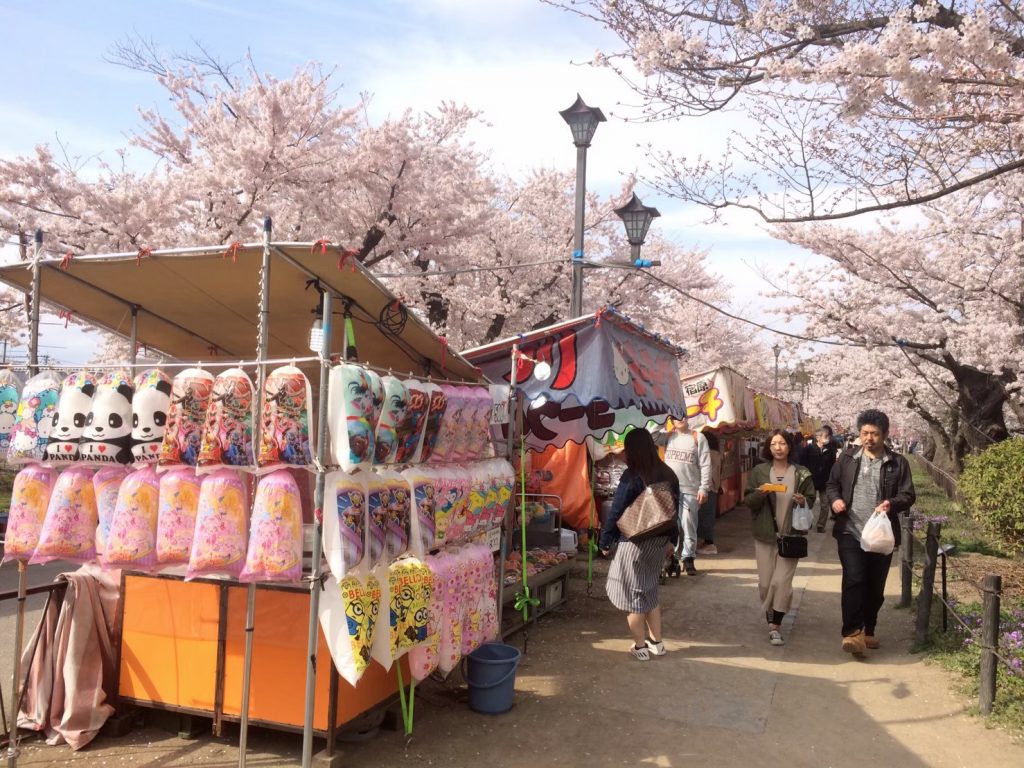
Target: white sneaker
x,y
656,648
642,654
775,637
707,549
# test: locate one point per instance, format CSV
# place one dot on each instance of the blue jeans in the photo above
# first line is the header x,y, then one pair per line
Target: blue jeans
x,y
706,518
687,547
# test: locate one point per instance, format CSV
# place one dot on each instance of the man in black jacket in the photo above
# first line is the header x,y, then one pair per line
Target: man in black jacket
x,y
866,480
821,456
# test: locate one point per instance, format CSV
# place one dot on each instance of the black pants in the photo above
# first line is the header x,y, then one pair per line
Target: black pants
x,y
864,575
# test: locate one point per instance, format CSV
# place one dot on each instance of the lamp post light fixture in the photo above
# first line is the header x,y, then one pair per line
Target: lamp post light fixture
x,y
637,219
778,351
582,122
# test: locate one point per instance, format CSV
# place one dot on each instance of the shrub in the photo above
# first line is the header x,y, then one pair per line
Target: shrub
x,y
993,492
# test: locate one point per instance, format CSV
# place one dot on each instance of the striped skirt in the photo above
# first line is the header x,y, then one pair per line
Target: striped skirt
x,y
633,576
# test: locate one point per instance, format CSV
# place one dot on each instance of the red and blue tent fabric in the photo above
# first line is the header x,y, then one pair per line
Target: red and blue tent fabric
x,y
607,374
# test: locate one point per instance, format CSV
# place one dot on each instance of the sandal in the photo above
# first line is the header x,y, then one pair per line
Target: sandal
x,y
642,653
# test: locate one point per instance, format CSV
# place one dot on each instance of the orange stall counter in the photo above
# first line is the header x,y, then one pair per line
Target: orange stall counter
x,y
183,644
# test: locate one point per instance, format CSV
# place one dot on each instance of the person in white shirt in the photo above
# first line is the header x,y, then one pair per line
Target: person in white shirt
x,y
688,455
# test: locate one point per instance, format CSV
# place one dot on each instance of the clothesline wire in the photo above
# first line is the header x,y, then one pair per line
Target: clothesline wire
x,y
467,270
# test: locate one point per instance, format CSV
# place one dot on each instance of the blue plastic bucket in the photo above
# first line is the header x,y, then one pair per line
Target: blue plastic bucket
x,y
490,673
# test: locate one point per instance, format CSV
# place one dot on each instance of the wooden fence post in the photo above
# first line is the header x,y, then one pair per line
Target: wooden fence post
x,y
989,642
924,600
906,561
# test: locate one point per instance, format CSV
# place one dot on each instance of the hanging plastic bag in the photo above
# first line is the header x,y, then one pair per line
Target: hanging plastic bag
x,y
378,503
438,404
106,483
349,610
219,544
150,407
396,399
424,500
275,531
30,498
176,520
284,436
410,429
132,539
399,515
344,521
453,616
451,423
10,394
69,530
350,414
228,428
480,427
877,535
34,418
73,410
107,438
423,658
183,437
803,517
410,586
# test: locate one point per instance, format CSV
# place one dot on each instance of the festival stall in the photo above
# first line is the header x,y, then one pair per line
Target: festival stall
x,y
583,379
191,480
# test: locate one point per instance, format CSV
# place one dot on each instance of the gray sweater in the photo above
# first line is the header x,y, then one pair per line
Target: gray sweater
x,y
690,460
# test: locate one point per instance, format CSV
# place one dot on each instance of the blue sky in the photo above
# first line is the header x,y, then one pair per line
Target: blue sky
x,y
512,59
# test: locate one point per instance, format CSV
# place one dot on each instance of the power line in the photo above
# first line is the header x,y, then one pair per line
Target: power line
x,y
467,270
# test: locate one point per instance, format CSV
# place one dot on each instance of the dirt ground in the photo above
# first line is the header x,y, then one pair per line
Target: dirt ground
x,y
721,697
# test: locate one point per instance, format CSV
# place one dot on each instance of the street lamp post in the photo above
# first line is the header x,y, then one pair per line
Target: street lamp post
x,y
777,350
582,122
637,219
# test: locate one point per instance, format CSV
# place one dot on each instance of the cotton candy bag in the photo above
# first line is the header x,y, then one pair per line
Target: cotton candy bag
x,y
423,659
190,397
450,512
479,427
396,400
150,408
451,423
34,418
438,404
69,530
350,414
453,616
30,498
284,437
219,544
410,429
275,532
10,395
349,611
132,539
399,514
176,520
73,408
106,484
424,499
378,504
344,522
470,406
228,429
410,586
107,438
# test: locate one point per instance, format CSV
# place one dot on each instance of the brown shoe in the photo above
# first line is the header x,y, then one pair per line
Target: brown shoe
x,y
870,641
854,643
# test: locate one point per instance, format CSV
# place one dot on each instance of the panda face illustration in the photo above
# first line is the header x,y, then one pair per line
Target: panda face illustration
x,y
110,417
149,416
72,412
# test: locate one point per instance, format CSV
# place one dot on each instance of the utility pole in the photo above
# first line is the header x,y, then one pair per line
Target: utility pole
x,y
778,351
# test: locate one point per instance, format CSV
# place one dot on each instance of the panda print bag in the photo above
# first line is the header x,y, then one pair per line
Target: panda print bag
x,y
149,415
108,428
73,409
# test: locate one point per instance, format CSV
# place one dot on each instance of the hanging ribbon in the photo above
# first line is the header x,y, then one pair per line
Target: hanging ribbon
x,y
232,251
444,350
323,242
348,253
65,263
65,315
597,323
142,254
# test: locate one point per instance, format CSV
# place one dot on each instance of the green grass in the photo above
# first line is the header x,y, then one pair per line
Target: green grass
x,y
959,528
6,486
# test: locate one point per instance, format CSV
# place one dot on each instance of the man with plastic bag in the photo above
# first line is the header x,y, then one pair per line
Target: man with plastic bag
x,y
867,488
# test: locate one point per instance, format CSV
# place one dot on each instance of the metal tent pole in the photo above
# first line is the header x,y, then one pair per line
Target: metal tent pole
x,y
250,592
318,503
133,338
19,624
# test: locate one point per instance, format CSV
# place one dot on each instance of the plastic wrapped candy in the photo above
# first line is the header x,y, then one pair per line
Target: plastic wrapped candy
x,y
228,430
453,615
132,539
410,587
30,498
470,406
183,436
349,611
438,403
176,519
450,511
73,409
378,503
476,483
107,438
219,544
480,618
424,499
344,522
69,530
150,407
479,428
275,531
399,515
351,416
423,659
410,429
10,394
34,418
451,423
396,399
106,483
285,439
506,478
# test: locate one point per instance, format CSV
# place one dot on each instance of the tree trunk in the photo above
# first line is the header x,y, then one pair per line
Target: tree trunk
x,y
980,400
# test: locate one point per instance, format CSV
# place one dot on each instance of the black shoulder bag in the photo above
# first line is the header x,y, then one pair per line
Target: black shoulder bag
x,y
790,545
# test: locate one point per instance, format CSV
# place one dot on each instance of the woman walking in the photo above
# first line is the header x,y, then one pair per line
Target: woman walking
x,y
772,514
633,577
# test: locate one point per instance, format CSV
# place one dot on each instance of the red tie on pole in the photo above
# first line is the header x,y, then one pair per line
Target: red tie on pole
x,y
143,253
232,251
322,243
348,253
65,263
65,315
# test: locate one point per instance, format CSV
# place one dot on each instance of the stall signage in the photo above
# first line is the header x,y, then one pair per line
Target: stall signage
x,y
494,539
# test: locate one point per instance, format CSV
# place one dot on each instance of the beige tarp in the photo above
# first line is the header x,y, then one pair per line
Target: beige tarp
x,y
203,303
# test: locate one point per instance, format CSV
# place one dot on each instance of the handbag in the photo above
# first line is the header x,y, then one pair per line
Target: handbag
x,y
790,545
653,513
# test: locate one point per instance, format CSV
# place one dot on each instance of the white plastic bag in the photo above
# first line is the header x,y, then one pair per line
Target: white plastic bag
x,y
803,517
877,535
